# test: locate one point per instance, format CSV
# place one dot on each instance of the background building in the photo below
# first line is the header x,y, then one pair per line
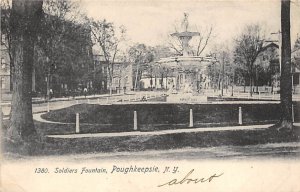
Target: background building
x,y
63,59
267,67
122,75
5,67
296,66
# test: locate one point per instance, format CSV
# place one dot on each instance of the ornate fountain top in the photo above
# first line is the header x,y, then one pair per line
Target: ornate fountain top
x,y
186,61
185,22
185,27
185,36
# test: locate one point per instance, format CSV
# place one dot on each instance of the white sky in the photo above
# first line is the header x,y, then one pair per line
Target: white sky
x,y
149,21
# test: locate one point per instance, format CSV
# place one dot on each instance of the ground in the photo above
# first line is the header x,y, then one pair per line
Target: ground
x,y
235,143
280,151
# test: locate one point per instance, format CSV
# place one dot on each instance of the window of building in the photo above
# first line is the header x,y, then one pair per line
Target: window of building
x,y
116,80
181,78
104,69
2,39
160,81
2,83
3,63
88,51
296,79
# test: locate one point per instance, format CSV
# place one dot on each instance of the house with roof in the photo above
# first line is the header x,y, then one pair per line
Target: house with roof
x,y
296,66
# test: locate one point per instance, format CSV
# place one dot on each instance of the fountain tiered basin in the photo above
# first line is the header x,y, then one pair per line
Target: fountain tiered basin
x,y
189,77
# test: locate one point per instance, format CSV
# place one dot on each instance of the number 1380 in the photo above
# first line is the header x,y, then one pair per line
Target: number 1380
x,y
40,170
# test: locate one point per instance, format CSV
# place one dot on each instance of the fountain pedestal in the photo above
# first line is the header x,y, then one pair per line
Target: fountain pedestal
x,y
186,98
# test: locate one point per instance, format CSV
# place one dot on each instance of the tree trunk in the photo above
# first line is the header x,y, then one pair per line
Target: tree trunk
x,y
250,85
11,73
162,81
110,86
219,80
25,19
167,80
256,79
151,82
286,76
136,77
155,82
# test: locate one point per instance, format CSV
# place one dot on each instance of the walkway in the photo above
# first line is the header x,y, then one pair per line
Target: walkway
x,y
164,132
38,117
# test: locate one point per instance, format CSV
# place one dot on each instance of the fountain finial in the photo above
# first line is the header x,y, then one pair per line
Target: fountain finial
x,y
185,22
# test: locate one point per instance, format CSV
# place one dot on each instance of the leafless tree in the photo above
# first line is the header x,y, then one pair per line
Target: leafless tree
x,y
198,45
248,46
222,69
142,58
105,36
203,40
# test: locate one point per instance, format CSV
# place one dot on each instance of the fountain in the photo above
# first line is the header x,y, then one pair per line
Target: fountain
x,y
188,77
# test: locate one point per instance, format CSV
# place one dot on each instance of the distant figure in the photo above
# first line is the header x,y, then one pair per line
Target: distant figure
x,y
85,92
144,98
73,93
50,94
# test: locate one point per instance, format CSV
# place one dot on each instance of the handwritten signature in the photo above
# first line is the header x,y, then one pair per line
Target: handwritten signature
x,y
187,180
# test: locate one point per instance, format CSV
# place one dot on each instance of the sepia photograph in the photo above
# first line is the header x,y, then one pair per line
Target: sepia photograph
x,y
150,95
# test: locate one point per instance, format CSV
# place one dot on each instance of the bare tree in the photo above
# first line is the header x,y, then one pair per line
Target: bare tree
x,y
198,44
248,46
106,37
25,20
222,69
141,56
203,40
175,44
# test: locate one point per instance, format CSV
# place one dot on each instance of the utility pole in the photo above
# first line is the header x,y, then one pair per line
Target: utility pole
x,y
223,71
256,75
1,129
48,80
94,77
166,79
232,82
137,70
1,117
120,77
136,76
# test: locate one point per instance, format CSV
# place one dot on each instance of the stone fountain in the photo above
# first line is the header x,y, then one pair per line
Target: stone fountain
x,y
188,71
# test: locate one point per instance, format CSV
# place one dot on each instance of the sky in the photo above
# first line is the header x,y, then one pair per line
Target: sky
x,y
150,21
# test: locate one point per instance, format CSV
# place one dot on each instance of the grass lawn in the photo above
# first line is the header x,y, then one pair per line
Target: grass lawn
x,y
115,118
55,146
119,117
